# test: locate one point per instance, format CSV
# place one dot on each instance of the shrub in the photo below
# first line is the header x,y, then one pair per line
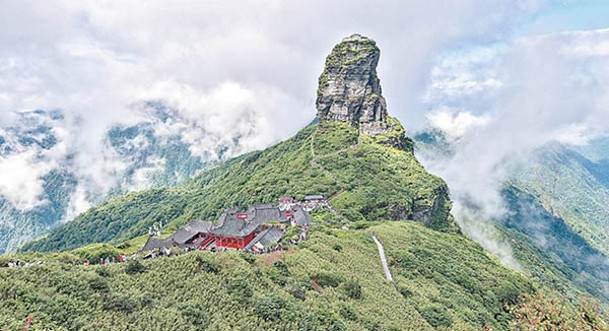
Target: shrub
x,y
134,267
94,253
360,225
120,303
277,277
103,272
68,258
553,312
240,288
337,247
297,292
353,289
371,324
347,312
270,308
146,301
69,285
195,314
436,316
326,279
206,265
329,321
279,273
298,288
282,267
98,284
404,291
249,258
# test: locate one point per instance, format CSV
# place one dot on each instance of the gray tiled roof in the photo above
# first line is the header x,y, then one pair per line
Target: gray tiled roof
x,y
199,226
155,243
230,225
181,236
266,237
233,227
190,230
264,206
273,235
265,214
301,216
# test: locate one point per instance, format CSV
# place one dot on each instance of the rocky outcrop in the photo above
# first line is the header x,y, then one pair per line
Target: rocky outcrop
x,y
349,89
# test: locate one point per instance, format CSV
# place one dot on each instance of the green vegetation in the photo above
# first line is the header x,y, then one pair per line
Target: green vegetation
x,y
556,183
334,280
333,136
448,278
395,137
342,53
569,185
60,184
388,183
544,267
383,182
443,281
564,259
549,311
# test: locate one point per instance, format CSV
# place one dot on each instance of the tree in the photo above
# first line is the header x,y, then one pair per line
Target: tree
x,y
552,312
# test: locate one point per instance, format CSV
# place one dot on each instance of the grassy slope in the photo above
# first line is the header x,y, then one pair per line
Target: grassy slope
x,y
560,247
383,183
442,280
548,270
567,185
549,249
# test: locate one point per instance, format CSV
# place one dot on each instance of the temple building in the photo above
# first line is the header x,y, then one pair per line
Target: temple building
x,y
252,228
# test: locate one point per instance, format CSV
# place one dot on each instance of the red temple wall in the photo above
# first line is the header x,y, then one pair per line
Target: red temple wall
x,y
232,242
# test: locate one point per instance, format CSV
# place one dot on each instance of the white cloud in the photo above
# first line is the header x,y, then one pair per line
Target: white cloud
x,y
553,88
96,58
143,177
586,43
79,203
239,75
22,184
455,124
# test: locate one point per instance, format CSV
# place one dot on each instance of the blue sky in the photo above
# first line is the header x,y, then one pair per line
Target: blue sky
x,y
568,16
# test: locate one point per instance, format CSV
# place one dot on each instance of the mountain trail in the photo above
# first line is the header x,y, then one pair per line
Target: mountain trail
x,y
383,258
342,185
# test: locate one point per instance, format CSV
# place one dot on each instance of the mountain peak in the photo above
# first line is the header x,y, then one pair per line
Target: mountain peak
x,y
349,89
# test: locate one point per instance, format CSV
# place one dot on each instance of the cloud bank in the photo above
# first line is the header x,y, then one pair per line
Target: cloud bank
x,y
239,76
548,88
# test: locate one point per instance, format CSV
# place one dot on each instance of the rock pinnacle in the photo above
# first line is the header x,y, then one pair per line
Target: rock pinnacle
x,y
349,89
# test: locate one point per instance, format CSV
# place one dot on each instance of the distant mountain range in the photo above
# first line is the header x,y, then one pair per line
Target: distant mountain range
x,y
557,208
148,158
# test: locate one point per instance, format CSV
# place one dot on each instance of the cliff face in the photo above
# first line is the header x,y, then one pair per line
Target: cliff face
x,y
349,89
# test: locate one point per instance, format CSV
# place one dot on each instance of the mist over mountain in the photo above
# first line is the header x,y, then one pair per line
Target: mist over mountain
x,y
49,177
556,197
355,157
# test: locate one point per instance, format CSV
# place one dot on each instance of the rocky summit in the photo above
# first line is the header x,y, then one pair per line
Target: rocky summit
x,y
349,88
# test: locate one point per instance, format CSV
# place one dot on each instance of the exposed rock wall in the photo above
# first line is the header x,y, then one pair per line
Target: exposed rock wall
x,y
349,89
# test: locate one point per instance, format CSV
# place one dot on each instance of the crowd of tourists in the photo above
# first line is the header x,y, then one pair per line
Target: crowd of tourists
x,y
21,264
